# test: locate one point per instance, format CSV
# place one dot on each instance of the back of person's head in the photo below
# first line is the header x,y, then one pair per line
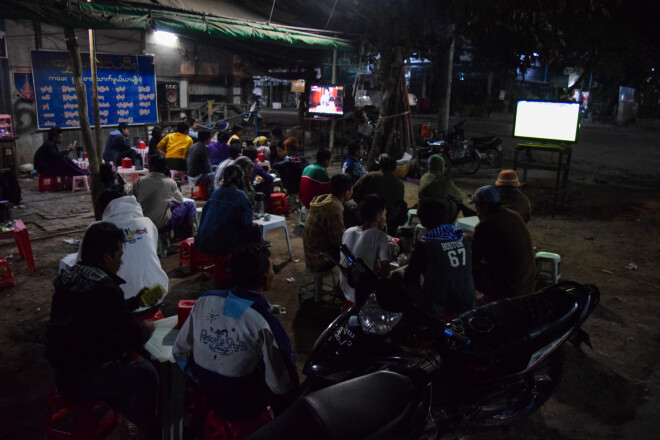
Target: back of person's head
x,y
100,238
431,212
54,131
122,126
340,183
322,155
386,162
250,153
436,164
157,163
276,132
292,145
370,207
106,173
249,265
353,147
235,150
236,129
203,135
156,131
232,175
106,196
190,121
223,136
182,127
243,162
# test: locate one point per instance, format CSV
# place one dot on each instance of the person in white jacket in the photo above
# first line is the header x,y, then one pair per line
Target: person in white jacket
x,y
141,266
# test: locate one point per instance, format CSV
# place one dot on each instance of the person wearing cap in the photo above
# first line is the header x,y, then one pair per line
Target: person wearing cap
x,y
49,161
117,145
175,146
511,197
389,187
502,251
438,186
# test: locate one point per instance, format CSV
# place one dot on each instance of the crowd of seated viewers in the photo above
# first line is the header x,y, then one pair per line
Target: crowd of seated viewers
x,y
97,314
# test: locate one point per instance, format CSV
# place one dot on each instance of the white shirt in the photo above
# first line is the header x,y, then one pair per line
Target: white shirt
x,y
369,245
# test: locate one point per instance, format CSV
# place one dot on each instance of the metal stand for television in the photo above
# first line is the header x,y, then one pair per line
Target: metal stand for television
x,y
562,166
326,124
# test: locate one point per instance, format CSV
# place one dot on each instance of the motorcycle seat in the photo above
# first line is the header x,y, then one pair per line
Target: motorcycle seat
x,y
486,141
373,406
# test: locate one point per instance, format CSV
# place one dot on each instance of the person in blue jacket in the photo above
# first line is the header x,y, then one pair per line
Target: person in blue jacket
x,y
232,346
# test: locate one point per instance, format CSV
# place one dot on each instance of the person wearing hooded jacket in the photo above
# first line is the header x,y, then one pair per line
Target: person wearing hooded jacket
x,y
141,266
438,186
324,227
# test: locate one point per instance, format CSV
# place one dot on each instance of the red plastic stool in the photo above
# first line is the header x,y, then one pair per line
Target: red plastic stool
x,y
217,428
199,191
214,266
6,277
277,204
48,183
188,254
84,425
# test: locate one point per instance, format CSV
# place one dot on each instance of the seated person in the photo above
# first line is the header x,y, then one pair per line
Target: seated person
x,y
198,161
219,150
175,146
441,263
156,136
162,201
325,224
110,179
276,138
91,334
262,181
315,180
503,263
510,195
438,186
247,166
292,151
49,161
193,131
141,267
352,166
387,186
234,151
227,217
236,133
118,146
234,348
368,242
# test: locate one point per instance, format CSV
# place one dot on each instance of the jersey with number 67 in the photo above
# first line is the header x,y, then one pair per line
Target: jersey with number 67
x,y
446,268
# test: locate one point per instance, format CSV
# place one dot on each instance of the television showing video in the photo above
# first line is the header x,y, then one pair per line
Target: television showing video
x,y
552,121
326,100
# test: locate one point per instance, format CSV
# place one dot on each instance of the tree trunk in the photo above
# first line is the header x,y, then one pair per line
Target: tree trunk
x,y
83,116
445,62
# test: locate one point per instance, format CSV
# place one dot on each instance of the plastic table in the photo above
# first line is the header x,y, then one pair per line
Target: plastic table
x,y
22,238
275,221
135,174
467,224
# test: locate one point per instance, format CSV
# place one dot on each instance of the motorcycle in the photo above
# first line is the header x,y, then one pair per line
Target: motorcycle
x,y
489,149
490,366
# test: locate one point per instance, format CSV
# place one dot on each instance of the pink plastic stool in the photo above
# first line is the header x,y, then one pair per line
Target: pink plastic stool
x,y
80,182
179,176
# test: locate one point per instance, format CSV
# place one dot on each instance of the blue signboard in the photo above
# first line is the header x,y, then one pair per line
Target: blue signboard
x,y
126,88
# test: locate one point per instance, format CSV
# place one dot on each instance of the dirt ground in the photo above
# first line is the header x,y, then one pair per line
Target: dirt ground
x,y
607,235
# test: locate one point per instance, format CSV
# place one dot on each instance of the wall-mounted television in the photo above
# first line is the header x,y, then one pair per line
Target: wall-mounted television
x,y
326,100
549,121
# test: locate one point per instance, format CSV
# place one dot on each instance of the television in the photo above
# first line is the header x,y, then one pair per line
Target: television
x,y
548,121
326,100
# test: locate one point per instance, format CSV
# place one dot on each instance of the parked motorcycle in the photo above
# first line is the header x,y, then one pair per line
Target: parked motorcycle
x,y
489,149
490,366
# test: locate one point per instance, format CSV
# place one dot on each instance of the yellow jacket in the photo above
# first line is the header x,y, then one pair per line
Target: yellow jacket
x,y
175,145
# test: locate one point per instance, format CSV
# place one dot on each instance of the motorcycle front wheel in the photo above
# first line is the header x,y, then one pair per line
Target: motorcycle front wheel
x,y
469,163
494,158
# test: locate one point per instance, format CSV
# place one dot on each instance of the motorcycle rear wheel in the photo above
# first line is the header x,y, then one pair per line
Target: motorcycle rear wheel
x,y
469,163
494,158
522,403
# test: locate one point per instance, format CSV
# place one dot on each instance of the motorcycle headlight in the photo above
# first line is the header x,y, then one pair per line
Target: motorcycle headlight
x,y
376,321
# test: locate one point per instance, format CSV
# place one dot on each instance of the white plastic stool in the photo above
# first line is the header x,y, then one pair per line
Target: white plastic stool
x,y
412,213
80,182
304,213
548,267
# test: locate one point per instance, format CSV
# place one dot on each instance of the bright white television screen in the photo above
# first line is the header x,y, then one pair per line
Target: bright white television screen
x,y
555,121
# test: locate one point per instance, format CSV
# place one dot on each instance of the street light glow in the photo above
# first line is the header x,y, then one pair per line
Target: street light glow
x,y
165,38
